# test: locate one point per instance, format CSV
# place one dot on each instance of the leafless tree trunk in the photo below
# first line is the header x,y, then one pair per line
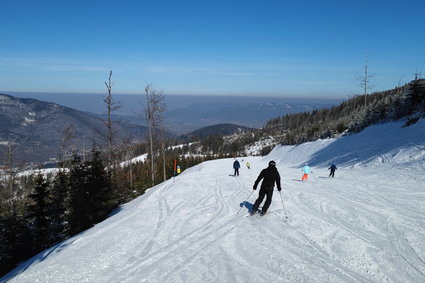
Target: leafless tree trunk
x,y
129,148
149,119
364,81
84,148
154,109
66,146
11,149
10,171
129,162
111,106
163,153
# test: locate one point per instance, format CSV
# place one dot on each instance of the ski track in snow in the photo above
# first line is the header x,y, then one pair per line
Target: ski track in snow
x,y
365,225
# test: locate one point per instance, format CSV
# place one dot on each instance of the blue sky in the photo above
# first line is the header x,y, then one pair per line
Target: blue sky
x,y
273,48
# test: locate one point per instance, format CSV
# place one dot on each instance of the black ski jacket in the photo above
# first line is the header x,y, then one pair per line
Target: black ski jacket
x,y
270,175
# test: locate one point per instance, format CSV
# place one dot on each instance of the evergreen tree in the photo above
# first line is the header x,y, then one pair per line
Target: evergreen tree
x,y
59,197
15,241
79,218
38,213
91,197
99,188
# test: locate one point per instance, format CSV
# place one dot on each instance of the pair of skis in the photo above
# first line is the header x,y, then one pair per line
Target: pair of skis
x,y
283,205
259,211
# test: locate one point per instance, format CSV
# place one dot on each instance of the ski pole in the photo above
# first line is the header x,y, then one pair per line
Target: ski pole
x,y
245,201
281,198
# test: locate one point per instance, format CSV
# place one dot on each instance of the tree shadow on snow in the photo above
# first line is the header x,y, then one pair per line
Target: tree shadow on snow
x,y
35,259
115,211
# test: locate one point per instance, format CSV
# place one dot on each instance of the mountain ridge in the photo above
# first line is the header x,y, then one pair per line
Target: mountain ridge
x,y
222,129
37,127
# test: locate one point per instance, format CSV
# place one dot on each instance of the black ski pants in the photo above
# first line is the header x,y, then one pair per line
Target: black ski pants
x,y
264,192
332,174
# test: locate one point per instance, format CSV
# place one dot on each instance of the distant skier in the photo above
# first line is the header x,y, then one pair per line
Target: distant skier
x,y
306,170
332,168
270,176
248,165
236,166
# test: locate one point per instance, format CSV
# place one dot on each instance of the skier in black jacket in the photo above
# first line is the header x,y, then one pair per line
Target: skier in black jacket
x,y
236,166
270,176
332,168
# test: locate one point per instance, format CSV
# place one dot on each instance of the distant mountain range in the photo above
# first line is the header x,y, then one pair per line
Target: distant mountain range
x,y
35,129
199,115
187,113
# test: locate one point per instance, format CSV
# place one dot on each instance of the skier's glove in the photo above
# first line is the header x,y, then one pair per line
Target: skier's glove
x,y
279,189
254,188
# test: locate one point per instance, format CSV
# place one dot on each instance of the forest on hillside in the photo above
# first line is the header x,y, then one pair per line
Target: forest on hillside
x,y
352,115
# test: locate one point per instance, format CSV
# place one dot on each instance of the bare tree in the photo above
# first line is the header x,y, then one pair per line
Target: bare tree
x,y
129,162
84,147
364,81
67,146
154,109
111,106
129,153
164,172
12,146
162,132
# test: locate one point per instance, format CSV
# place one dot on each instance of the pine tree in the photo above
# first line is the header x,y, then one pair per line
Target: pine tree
x,y
15,241
59,196
38,213
91,197
99,187
79,218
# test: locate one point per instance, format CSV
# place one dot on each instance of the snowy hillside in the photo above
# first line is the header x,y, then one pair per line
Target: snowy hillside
x,y
365,225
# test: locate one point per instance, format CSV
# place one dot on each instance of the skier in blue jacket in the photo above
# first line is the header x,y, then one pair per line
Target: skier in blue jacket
x,y
236,166
306,170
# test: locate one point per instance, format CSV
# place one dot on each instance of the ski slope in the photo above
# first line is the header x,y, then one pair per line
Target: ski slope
x,y
365,225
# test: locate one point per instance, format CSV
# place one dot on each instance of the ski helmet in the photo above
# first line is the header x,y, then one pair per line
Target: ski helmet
x,y
272,163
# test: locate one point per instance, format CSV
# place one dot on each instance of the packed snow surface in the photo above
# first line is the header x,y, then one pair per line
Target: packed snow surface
x,y
365,225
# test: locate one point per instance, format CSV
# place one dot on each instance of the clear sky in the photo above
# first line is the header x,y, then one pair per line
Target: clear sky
x,y
232,47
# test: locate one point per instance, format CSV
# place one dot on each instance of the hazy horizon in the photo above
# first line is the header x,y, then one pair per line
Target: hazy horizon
x,y
185,114
142,92
93,102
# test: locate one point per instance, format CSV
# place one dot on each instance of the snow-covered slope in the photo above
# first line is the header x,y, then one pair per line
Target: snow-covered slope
x,y
365,225
381,143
